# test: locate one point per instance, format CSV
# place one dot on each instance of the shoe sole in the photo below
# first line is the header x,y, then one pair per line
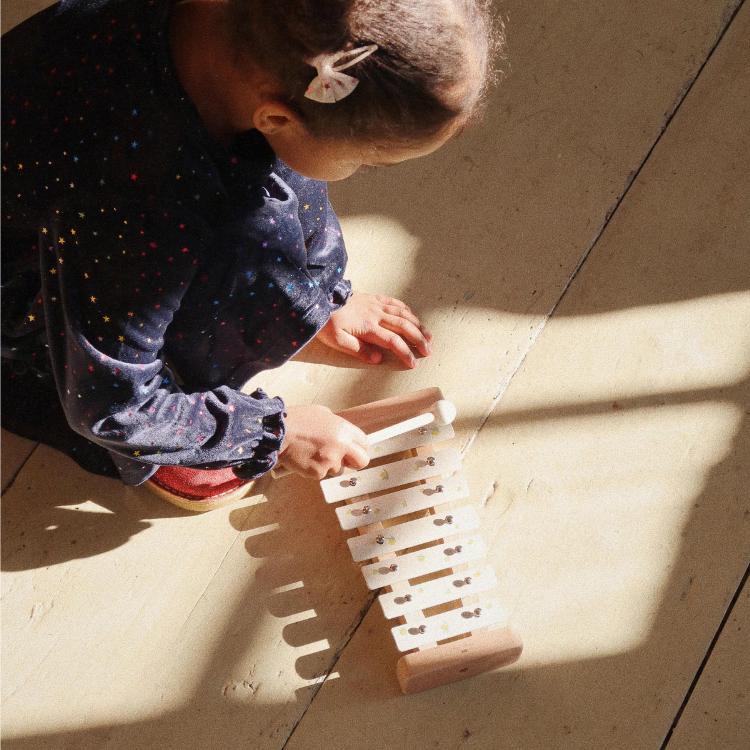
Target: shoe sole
x,y
201,506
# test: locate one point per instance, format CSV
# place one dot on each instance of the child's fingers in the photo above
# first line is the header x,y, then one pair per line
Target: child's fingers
x,y
356,435
358,348
392,341
404,311
356,457
409,331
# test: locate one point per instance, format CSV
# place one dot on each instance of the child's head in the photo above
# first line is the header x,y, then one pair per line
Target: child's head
x,y
426,79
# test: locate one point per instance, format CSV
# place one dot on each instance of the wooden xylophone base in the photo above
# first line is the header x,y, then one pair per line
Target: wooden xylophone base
x,y
464,657
451,662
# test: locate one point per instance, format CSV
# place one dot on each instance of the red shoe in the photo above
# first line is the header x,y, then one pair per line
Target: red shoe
x,y
198,489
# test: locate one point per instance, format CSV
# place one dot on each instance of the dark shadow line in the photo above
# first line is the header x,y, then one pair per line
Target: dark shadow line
x,y
705,659
334,661
633,176
19,469
612,406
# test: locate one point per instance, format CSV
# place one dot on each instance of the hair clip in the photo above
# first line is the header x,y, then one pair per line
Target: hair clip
x,y
331,85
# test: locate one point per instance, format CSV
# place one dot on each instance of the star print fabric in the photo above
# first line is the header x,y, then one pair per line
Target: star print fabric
x,y
148,271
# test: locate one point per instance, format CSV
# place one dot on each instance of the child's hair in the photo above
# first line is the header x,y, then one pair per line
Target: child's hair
x,y
434,60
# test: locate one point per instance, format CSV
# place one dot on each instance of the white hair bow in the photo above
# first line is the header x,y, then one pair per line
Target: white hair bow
x,y
331,85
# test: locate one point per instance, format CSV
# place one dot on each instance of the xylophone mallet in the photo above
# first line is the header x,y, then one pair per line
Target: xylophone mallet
x,y
442,412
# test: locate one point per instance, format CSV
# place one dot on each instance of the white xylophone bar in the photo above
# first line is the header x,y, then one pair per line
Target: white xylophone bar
x,y
400,503
420,631
460,549
432,661
439,418
415,438
456,585
413,533
415,469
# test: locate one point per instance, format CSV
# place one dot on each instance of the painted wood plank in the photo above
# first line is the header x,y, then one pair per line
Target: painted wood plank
x,y
227,625
458,584
15,452
484,612
415,469
400,503
459,549
15,12
614,472
413,533
718,712
192,596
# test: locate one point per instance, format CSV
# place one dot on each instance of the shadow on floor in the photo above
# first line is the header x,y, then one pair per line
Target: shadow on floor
x,y
68,514
314,555
494,264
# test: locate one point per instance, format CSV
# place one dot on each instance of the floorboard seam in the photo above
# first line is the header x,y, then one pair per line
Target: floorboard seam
x,y
706,657
632,177
729,17
19,469
336,656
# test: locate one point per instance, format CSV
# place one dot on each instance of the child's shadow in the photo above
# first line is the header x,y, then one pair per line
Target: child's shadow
x,y
308,571
55,512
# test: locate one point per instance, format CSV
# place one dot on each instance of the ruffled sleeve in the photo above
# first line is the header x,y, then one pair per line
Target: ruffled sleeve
x,y
113,278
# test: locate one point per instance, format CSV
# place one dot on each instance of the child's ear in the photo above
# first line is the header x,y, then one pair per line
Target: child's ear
x,y
273,118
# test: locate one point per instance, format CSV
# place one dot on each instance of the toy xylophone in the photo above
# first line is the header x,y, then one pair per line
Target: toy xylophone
x,y
420,545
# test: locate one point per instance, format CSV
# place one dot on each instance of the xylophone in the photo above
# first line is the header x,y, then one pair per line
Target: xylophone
x,y
421,547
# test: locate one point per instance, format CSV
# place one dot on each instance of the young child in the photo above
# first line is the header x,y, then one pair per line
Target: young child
x,y
167,230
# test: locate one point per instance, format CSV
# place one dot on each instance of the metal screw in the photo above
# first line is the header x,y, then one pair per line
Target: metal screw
x,y
407,597
393,567
353,482
449,519
477,612
457,548
467,580
439,488
366,509
430,460
380,539
422,628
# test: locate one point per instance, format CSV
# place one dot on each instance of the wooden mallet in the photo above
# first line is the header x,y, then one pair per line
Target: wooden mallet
x,y
442,412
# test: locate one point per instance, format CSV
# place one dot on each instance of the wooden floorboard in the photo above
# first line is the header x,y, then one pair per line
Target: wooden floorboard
x,y
718,711
15,451
129,624
613,475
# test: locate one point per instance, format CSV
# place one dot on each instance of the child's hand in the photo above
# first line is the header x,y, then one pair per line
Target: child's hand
x,y
368,321
317,442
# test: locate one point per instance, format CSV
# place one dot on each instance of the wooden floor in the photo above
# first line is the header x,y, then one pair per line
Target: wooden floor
x,y
583,259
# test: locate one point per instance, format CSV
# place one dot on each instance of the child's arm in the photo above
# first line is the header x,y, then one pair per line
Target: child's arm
x,y
361,325
112,282
324,241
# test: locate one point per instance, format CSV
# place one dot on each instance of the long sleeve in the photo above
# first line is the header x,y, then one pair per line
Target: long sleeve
x,y
163,252
326,258
324,240
113,279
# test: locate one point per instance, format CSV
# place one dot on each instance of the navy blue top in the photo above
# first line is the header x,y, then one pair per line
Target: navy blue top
x,y
132,239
